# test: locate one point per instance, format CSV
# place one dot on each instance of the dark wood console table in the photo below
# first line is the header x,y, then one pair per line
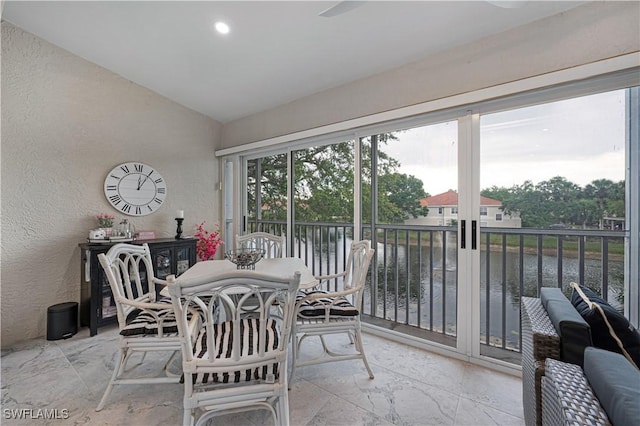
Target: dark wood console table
x,y
97,308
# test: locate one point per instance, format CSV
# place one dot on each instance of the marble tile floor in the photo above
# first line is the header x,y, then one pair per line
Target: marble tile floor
x,y
412,387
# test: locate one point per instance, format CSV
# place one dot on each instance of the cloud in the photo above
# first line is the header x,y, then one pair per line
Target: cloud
x,y
581,139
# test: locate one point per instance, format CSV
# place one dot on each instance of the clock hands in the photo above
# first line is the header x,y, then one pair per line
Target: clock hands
x,y
145,179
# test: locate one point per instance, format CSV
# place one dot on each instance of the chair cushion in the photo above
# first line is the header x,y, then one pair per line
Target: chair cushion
x,y
248,346
616,383
141,322
339,306
610,330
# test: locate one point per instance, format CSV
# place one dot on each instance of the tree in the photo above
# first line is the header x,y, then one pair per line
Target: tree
x,y
401,195
558,200
267,187
498,193
323,184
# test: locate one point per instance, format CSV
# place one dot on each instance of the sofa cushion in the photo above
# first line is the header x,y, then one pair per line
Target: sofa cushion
x,y
616,383
548,294
574,332
610,330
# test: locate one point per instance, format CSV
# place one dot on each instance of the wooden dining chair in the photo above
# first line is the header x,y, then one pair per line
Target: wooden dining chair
x,y
232,362
273,245
146,322
333,307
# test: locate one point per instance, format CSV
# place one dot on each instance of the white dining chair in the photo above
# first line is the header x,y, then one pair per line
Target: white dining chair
x,y
233,362
333,307
146,323
273,245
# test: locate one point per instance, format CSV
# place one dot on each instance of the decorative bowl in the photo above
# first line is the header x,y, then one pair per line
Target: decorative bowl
x,y
245,258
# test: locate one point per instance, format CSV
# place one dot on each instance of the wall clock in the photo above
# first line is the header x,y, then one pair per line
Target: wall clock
x,y
135,189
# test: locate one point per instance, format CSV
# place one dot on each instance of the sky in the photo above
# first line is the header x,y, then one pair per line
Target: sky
x,y
581,139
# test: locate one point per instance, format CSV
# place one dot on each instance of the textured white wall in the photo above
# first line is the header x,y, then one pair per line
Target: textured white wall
x,y
583,35
65,123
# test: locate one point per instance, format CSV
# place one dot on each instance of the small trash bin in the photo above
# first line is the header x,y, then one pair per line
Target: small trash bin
x,y
62,320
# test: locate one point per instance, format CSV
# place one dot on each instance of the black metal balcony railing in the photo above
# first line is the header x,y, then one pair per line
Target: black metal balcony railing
x,y
415,284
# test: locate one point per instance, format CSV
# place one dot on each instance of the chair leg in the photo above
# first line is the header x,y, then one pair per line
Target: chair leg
x,y
360,348
187,417
294,355
282,410
117,370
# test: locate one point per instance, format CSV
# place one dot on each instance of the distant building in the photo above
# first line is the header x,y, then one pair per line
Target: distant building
x,y
443,211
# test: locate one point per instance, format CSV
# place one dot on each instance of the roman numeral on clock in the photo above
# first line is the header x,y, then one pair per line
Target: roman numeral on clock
x,y
115,199
138,167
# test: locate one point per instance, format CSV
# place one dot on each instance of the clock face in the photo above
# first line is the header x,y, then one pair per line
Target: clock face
x,y
135,189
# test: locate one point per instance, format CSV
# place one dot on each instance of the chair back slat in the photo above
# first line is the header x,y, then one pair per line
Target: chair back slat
x,y
273,245
356,270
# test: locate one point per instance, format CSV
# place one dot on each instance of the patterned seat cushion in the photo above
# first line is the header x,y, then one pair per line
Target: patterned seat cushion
x,y
143,323
248,346
338,306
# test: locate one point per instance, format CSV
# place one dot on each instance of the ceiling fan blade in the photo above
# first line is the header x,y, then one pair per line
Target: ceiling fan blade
x,y
340,8
508,4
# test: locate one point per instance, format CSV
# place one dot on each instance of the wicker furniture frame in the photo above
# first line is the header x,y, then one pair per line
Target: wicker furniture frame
x,y
347,284
567,397
123,265
539,342
234,363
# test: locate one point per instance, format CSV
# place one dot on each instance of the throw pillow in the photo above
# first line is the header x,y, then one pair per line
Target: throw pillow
x,y
610,330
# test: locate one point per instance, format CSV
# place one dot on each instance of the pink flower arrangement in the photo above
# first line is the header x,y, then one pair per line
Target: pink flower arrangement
x,y
105,220
208,242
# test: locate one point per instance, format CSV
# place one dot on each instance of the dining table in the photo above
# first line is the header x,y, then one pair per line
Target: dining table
x,y
282,267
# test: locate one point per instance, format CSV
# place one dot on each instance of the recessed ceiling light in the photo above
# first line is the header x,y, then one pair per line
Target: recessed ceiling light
x,y
222,27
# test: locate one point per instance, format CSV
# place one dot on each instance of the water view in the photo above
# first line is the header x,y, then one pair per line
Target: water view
x,y
436,309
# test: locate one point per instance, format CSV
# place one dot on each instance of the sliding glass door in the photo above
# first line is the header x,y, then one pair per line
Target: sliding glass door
x,y
552,207
409,205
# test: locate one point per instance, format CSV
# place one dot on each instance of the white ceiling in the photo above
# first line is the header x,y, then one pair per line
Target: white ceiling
x,y
276,52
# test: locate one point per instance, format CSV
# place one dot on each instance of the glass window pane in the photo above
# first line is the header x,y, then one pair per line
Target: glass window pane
x,y
555,174
323,200
415,206
267,194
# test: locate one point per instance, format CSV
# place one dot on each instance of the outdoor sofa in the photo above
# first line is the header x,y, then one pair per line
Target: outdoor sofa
x,y
553,328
